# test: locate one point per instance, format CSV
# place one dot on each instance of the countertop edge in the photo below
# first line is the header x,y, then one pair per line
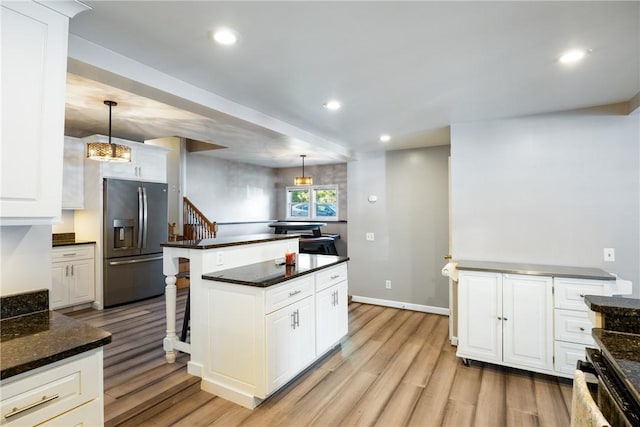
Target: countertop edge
x,y
185,244
52,358
542,270
613,305
74,243
275,281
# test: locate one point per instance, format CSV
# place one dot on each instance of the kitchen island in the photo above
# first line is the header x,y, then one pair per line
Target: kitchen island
x,y
255,322
209,255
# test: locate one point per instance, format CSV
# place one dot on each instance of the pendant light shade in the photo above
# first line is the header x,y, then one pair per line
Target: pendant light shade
x,y
107,151
303,180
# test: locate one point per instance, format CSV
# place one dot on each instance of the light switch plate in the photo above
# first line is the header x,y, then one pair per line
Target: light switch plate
x,y
370,236
609,254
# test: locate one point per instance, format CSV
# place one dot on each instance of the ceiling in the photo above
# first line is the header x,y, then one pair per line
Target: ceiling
x,y
408,69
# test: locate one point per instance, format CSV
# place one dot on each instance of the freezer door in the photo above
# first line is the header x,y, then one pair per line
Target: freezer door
x,y
154,218
132,279
122,215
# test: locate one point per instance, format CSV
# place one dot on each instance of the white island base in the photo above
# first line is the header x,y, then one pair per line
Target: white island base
x,y
256,327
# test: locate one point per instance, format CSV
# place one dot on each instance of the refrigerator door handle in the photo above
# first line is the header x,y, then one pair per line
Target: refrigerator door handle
x,y
135,261
140,218
145,216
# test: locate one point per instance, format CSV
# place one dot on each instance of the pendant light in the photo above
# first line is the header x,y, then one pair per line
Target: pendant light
x,y
106,151
303,180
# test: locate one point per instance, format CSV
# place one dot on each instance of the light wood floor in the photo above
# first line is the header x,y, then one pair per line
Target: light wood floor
x,y
395,368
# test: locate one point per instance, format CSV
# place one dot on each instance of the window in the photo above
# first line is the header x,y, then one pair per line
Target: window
x,y
316,202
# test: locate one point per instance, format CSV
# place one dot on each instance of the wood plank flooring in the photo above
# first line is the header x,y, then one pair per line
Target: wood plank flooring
x,y
395,368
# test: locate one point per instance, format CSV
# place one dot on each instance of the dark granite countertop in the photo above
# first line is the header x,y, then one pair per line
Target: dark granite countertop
x,y
268,273
38,339
622,350
72,243
536,270
620,306
228,241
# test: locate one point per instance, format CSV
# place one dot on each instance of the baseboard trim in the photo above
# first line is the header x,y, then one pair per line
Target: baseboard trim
x,y
403,305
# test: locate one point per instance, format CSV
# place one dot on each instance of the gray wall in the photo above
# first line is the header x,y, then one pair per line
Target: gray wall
x,y
409,222
322,175
553,189
227,191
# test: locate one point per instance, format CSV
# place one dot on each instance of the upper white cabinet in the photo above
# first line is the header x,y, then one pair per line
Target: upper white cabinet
x,y
73,174
506,319
34,64
148,162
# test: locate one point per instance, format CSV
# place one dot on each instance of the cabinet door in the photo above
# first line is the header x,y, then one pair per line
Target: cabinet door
x,y
34,61
58,296
290,342
81,283
280,326
331,316
151,165
73,174
527,320
479,316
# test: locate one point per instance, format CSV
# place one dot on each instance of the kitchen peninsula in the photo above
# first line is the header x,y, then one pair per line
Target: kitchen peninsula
x,y
254,320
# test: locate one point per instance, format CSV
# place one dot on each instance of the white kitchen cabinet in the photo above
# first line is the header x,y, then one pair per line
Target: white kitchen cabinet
x,y
68,392
73,279
290,342
258,338
148,162
572,322
73,173
506,319
34,63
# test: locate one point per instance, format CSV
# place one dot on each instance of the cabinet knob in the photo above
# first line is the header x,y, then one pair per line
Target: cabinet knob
x,y
504,318
581,328
499,318
581,295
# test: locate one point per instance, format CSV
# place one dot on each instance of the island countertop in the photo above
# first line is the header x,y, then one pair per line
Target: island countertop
x,y
268,273
536,270
228,241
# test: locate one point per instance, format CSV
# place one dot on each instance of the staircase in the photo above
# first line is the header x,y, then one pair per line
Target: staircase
x,y
196,226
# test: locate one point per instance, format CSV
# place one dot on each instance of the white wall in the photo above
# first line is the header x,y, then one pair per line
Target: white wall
x,y
553,189
25,252
409,222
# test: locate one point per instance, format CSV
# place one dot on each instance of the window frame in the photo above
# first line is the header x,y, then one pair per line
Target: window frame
x,y
312,189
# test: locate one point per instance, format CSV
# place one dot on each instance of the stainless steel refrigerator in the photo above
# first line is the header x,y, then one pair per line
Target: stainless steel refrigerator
x,y
135,223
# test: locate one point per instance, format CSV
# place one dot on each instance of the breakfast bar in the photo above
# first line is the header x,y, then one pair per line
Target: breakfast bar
x,y
256,320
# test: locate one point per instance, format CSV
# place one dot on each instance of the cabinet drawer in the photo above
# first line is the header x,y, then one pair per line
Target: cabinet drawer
x,y
567,356
569,293
289,293
573,326
72,253
331,276
33,399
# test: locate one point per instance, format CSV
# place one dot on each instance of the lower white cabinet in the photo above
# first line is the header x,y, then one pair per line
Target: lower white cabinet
x,y
290,342
68,392
572,323
73,278
258,339
332,315
506,319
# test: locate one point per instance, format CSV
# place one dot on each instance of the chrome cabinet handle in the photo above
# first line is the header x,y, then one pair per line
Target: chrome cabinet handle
x,y
298,318
73,254
294,292
16,411
66,270
335,277
72,269
293,320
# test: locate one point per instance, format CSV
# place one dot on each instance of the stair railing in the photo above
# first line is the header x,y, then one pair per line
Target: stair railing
x,y
196,226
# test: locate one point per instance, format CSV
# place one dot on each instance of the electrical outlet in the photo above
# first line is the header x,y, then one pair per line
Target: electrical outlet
x,y
370,236
219,259
609,254
387,284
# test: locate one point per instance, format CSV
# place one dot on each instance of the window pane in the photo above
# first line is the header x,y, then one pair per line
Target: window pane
x,y
326,202
298,202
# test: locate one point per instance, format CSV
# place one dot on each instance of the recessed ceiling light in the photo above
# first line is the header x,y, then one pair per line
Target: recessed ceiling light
x,y
332,105
385,138
225,36
573,56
